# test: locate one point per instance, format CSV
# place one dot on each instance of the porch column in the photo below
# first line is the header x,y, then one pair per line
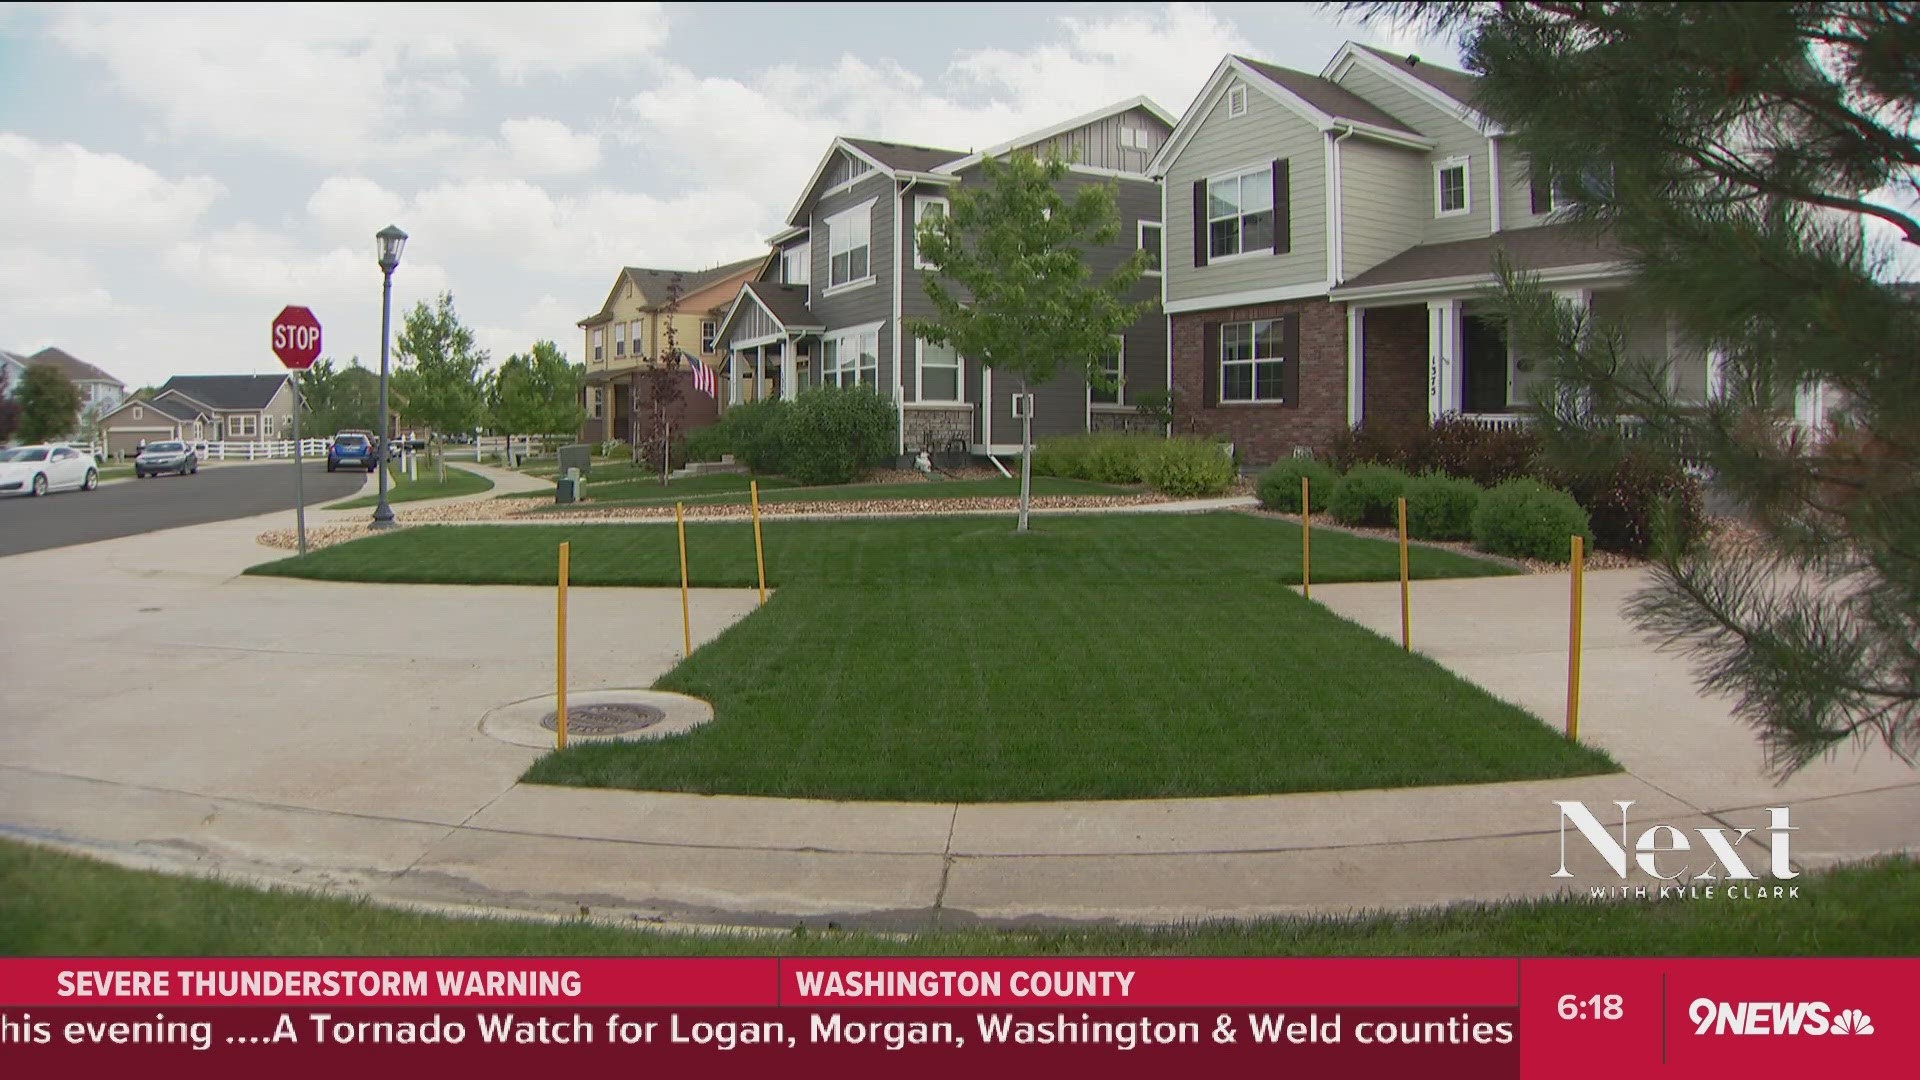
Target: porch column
x,y
734,360
1356,364
789,371
1581,301
1443,363
760,373
1810,409
1716,374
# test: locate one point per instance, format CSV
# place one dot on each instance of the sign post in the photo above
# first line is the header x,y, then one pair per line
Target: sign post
x,y
296,341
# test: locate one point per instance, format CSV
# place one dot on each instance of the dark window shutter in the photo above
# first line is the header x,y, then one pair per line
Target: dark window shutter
x,y
1199,223
1539,193
1210,362
1282,208
1290,371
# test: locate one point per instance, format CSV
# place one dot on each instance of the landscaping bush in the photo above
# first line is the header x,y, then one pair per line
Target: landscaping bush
x,y
751,432
709,443
1368,495
1441,507
1107,459
1280,486
1623,501
830,434
1452,446
1527,519
1187,468
1061,457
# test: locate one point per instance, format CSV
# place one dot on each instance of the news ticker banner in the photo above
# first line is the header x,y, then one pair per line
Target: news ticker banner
x,y
1563,1018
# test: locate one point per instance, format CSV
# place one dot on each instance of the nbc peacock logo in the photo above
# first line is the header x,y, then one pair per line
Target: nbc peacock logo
x,y
1851,1022
1712,1017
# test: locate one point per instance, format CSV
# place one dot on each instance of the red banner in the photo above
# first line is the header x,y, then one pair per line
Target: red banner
x,y
952,1016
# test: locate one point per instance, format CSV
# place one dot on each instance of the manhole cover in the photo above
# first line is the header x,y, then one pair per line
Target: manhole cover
x,y
611,718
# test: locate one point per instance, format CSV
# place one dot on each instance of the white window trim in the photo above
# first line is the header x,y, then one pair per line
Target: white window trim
x,y
619,339
1222,361
919,203
1120,389
1465,165
845,185
840,338
234,423
139,413
709,339
919,384
804,253
266,425
1140,242
1243,253
1237,90
599,343
849,215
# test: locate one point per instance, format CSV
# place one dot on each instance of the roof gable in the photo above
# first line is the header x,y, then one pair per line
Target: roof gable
x,y
884,158
1033,138
785,305
226,393
1448,89
75,369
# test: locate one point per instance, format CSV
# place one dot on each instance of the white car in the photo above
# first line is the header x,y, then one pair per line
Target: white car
x,y
36,470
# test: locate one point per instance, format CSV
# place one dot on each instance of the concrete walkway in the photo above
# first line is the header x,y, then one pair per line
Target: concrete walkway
x,y
162,711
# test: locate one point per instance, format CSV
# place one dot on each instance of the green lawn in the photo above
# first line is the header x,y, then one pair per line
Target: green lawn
x,y
116,472
709,491
633,484
1118,656
399,489
53,904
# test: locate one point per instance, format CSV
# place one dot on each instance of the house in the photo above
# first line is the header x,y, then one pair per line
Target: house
x,y
843,276
629,332
1328,238
99,391
223,408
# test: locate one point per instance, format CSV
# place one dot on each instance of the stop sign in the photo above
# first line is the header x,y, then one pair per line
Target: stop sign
x,y
296,337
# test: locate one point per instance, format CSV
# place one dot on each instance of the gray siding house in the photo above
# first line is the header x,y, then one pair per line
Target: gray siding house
x,y
1329,237
843,276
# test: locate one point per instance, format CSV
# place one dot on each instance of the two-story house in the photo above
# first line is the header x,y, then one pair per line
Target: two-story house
x,y
844,277
1329,239
99,392
629,332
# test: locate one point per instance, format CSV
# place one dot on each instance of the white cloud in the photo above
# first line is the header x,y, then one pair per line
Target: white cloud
x,y
353,206
540,145
38,285
68,190
248,261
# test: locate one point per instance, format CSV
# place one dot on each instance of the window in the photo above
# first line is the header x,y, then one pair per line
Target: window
x,y
1236,101
939,373
1113,366
593,402
796,264
852,358
1240,212
1251,356
708,331
849,246
266,424
633,337
925,210
1133,139
240,427
1543,195
1150,242
846,170
1451,194
619,339
599,343
138,412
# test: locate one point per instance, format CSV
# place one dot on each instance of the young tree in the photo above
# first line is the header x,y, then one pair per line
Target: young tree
x,y
1010,284
9,408
439,372
49,405
659,378
537,393
1738,151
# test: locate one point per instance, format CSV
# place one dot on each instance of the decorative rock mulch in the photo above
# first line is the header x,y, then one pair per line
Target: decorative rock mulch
x,y
319,536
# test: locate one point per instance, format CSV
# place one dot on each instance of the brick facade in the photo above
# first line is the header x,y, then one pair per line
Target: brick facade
x,y
1126,422
942,425
1395,394
1265,433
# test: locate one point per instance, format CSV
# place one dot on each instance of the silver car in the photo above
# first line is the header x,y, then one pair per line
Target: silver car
x,y
166,457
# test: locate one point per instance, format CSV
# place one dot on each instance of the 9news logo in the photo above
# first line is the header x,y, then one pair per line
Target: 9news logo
x,y
1712,1017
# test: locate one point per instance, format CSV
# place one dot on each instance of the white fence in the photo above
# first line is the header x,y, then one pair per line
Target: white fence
x,y
262,451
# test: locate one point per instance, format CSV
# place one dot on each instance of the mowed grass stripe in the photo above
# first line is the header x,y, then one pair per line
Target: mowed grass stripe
x,y
1125,656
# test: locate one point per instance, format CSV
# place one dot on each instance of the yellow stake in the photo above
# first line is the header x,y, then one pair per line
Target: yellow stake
x,y
560,650
759,552
1406,621
686,617
1306,541
1573,638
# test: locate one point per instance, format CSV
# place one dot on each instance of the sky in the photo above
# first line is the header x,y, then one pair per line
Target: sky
x,y
172,175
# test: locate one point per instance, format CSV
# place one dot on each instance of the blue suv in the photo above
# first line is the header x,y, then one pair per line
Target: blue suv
x,y
354,451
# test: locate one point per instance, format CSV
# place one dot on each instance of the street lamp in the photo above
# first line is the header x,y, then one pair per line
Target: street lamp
x,y
392,242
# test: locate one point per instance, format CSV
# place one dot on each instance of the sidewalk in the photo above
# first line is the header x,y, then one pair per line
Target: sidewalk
x,y
164,712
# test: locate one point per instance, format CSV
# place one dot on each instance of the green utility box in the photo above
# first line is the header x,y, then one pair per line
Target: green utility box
x,y
567,488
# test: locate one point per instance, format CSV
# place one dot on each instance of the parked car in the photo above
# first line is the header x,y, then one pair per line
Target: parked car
x,y
166,457
39,469
351,450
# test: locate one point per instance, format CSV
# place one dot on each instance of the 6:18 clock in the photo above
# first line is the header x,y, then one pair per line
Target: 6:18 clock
x,y
1592,1007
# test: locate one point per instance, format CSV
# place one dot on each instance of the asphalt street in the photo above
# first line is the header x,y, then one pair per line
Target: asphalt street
x,y
215,493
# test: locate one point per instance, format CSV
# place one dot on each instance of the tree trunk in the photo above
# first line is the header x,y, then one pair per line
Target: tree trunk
x,y
1026,457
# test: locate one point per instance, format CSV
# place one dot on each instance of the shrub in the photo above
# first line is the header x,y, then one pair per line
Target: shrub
x,y
1187,468
1280,486
709,443
1623,501
1106,458
1368,496
1441,507
1527,519
751,432
831,434
1452,446
1060,457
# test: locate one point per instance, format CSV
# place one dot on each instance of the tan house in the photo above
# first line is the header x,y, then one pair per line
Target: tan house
x,y
218,408
630,331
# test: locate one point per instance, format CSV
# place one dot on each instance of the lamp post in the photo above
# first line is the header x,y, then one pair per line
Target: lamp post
x,y
392,242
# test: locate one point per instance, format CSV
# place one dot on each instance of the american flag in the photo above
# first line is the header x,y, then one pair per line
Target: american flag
x,y
702,375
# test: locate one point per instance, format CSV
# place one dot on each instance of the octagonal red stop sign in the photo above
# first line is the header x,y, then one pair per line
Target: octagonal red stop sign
x,y
296,337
